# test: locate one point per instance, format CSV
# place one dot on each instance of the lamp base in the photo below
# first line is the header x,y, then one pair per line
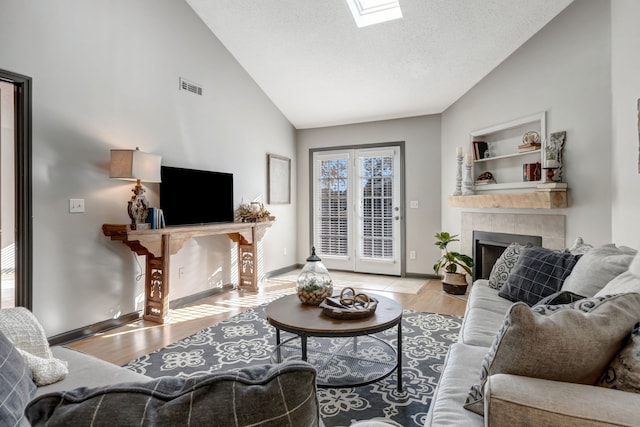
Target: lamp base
x,y
138,208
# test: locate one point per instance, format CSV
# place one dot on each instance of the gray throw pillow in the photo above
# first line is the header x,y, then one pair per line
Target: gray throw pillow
x,y
504,264
571,343
623,373
265,395
598,267
579,247
16,386
538,273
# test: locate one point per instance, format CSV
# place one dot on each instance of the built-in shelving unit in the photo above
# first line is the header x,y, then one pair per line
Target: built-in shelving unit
x,y
505,162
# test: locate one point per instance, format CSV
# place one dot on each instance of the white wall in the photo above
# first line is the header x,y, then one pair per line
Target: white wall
x,y
563,70
422,169
626,92
105,75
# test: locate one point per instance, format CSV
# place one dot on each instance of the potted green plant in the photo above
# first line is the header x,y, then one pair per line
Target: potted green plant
x,y
452,282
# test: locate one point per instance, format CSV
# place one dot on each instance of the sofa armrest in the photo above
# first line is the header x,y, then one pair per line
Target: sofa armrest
x,y
512,400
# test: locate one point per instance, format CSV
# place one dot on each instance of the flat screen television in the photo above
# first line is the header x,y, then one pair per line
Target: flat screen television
x,y
191,196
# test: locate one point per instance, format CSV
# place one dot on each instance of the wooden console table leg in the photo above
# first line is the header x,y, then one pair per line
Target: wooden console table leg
x,y
156,288
248,264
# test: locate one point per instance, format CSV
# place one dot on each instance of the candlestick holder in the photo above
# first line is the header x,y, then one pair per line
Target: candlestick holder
x,y
458,191
467,185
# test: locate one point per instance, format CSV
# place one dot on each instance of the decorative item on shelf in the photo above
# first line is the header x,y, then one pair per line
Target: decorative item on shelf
x,y
314,282
479,149
485,178
349,305
467,185
458,191
553,156
530,142
134,165
452,282
531,172
156,218
252,212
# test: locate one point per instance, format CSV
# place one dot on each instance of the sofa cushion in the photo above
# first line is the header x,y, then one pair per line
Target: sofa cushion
x,y
463,362
539,272
88,371
16,386
484,315
572,342
504,264
266,395
598,267
623,373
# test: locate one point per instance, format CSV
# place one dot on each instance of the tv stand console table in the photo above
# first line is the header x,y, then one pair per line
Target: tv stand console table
x,y
158,245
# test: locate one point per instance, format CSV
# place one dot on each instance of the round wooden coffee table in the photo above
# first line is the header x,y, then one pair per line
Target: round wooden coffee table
x,y
344,352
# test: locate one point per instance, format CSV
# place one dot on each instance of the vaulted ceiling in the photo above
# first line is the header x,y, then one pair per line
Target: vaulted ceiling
x,y
320,69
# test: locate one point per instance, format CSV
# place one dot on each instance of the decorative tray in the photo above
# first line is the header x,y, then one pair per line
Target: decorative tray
x,y
349,305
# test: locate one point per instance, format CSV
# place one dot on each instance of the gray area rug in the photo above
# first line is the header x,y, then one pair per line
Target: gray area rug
x,y
248,339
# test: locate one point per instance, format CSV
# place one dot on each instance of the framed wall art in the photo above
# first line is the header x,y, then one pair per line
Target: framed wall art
x,y
278,180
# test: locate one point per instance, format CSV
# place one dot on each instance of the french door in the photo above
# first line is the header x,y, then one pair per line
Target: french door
x,y
356,209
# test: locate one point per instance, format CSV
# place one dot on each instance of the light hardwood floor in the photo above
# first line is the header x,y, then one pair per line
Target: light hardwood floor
x,y
128,342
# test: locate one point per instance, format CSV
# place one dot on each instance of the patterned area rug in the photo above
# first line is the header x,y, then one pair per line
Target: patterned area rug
x,y
248,339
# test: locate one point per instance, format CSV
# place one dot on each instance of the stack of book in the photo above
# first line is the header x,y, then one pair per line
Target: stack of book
x,y
479,149
531,172
530,146
156,218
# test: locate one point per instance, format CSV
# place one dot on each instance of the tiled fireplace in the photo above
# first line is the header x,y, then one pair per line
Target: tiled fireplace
x,y
550,229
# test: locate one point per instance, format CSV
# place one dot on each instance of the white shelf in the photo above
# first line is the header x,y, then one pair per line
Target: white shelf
x,y
508,186
507,156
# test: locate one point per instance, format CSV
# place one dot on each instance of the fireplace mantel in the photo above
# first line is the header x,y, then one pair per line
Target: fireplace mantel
x,y
529,200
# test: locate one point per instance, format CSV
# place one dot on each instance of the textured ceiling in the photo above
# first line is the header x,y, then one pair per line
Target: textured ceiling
x,y
320,69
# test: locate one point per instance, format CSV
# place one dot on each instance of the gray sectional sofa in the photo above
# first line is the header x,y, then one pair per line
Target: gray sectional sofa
x,y
540,362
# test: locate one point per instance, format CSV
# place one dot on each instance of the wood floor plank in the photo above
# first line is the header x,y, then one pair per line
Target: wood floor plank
x,y
126,343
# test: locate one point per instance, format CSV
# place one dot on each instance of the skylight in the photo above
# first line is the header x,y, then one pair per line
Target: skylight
x,y
369,12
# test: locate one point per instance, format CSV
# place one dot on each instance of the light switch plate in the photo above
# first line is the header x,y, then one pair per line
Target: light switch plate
x,y
76,205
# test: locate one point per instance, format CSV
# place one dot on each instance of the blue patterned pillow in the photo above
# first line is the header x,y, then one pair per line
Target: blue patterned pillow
x,y
16,386
538,273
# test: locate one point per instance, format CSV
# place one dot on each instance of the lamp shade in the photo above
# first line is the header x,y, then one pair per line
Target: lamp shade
x,y
132,165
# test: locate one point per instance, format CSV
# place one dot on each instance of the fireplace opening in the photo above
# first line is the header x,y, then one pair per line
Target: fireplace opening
x,y
488,246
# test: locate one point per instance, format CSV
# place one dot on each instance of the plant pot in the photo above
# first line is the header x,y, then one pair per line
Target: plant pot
x,y
454,283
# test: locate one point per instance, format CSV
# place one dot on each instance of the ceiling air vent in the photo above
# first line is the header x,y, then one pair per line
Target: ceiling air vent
x,y
190,86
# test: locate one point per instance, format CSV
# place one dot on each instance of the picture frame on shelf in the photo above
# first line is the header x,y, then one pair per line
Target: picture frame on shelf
x,y
278,180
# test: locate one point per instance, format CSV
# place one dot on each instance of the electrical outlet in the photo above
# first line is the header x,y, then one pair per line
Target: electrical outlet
x,y
284,251
76,205
412,254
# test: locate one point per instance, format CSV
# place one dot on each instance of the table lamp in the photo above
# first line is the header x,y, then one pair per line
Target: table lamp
x,y
134,165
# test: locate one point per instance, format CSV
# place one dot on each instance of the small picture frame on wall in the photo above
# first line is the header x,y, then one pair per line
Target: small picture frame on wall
x,y
278,180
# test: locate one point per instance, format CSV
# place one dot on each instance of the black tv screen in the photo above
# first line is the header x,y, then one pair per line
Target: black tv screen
x,y
190,196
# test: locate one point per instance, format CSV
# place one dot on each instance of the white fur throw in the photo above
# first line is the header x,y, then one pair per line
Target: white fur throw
x,y
22,328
